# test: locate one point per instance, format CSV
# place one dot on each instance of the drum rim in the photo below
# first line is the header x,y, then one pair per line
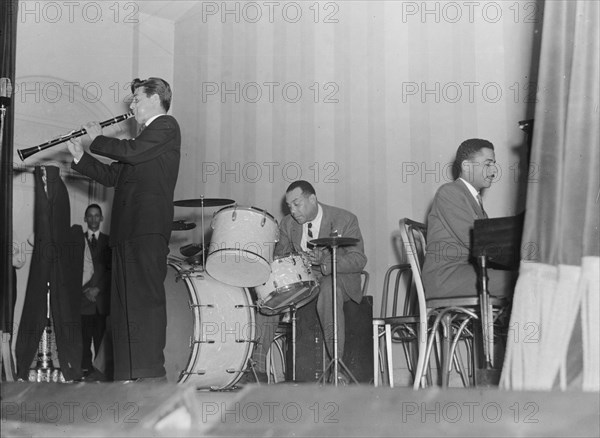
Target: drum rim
x,y
287,288
246,207
195,351
291,255
275,310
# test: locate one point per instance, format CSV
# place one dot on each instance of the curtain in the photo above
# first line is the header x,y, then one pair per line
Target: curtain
x,y
8,31
553,335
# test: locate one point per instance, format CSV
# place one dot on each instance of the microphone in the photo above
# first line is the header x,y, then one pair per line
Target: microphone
x,y
5,92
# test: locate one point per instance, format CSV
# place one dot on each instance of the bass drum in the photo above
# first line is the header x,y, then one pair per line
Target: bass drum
x,y
210,329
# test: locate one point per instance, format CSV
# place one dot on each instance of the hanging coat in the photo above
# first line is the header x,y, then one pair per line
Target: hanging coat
x,y
52,266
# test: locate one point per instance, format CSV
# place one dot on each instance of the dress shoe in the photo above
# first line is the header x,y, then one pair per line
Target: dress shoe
x,y
95,376
162,379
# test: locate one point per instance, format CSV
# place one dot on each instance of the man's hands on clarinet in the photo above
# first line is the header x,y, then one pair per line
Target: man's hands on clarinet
x,y
75,145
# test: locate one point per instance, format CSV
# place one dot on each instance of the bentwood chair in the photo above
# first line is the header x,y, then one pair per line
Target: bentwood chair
x,y
398,322
448,320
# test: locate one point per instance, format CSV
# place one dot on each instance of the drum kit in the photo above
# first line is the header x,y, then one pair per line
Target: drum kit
x,y
213,307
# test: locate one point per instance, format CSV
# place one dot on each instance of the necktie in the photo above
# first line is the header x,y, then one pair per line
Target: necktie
x,y
481,204
310,236
93,241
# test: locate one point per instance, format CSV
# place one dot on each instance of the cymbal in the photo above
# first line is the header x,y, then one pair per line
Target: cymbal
x,y
182,225
203,202
334,241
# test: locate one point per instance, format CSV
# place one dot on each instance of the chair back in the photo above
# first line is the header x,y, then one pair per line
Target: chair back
x,y
364,281
398,283
414,244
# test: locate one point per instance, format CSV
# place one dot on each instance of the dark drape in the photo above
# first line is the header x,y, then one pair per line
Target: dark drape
x,y
56,250
8,37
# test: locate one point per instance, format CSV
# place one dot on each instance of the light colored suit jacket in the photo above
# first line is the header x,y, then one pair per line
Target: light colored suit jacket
x,y
449,228
351,260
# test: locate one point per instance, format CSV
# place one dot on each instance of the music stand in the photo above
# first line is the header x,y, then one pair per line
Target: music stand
x,y
333,242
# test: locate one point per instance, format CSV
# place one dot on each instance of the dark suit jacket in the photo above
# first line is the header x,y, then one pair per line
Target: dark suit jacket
x,y
144,177
350,259
101,258
449,227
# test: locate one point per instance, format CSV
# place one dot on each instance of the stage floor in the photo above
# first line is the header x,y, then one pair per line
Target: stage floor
x,y
296,410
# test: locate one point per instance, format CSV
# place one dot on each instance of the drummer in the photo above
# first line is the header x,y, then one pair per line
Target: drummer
x,y
308,220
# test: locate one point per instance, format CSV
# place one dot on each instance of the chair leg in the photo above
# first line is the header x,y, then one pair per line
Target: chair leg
x,y
388,348
446,359
376,326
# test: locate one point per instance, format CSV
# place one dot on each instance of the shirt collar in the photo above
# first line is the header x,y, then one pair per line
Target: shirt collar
x,y
472,190
151,119
318,217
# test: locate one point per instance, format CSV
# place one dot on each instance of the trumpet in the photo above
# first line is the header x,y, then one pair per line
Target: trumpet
x,y
25,153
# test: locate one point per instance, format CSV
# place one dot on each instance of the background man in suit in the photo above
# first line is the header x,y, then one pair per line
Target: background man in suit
x,y
144,176
308,220
448,270
95,299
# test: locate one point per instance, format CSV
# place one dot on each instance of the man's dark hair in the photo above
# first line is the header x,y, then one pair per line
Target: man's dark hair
x,y
93,206
466,151
305,186
154,86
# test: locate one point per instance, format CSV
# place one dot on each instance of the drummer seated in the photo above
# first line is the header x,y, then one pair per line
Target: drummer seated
x,y
308,220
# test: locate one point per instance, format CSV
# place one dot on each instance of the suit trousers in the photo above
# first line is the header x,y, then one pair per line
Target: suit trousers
x,y
92,328
138,307
325,313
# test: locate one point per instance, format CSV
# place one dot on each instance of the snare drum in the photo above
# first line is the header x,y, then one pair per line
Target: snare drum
x,y
292,282
242,245
210,329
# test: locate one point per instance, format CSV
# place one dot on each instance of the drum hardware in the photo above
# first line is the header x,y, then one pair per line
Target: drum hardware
x,y
292,282
334,242
195,373
202,203
182,225
210,363
242,246
193,306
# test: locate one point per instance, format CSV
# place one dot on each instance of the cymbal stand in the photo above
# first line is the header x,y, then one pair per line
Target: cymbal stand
x,y
203,232
336,361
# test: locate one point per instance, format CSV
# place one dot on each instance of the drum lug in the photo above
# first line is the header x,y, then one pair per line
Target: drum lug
x,y
234,214
187,373
191,306
192,342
